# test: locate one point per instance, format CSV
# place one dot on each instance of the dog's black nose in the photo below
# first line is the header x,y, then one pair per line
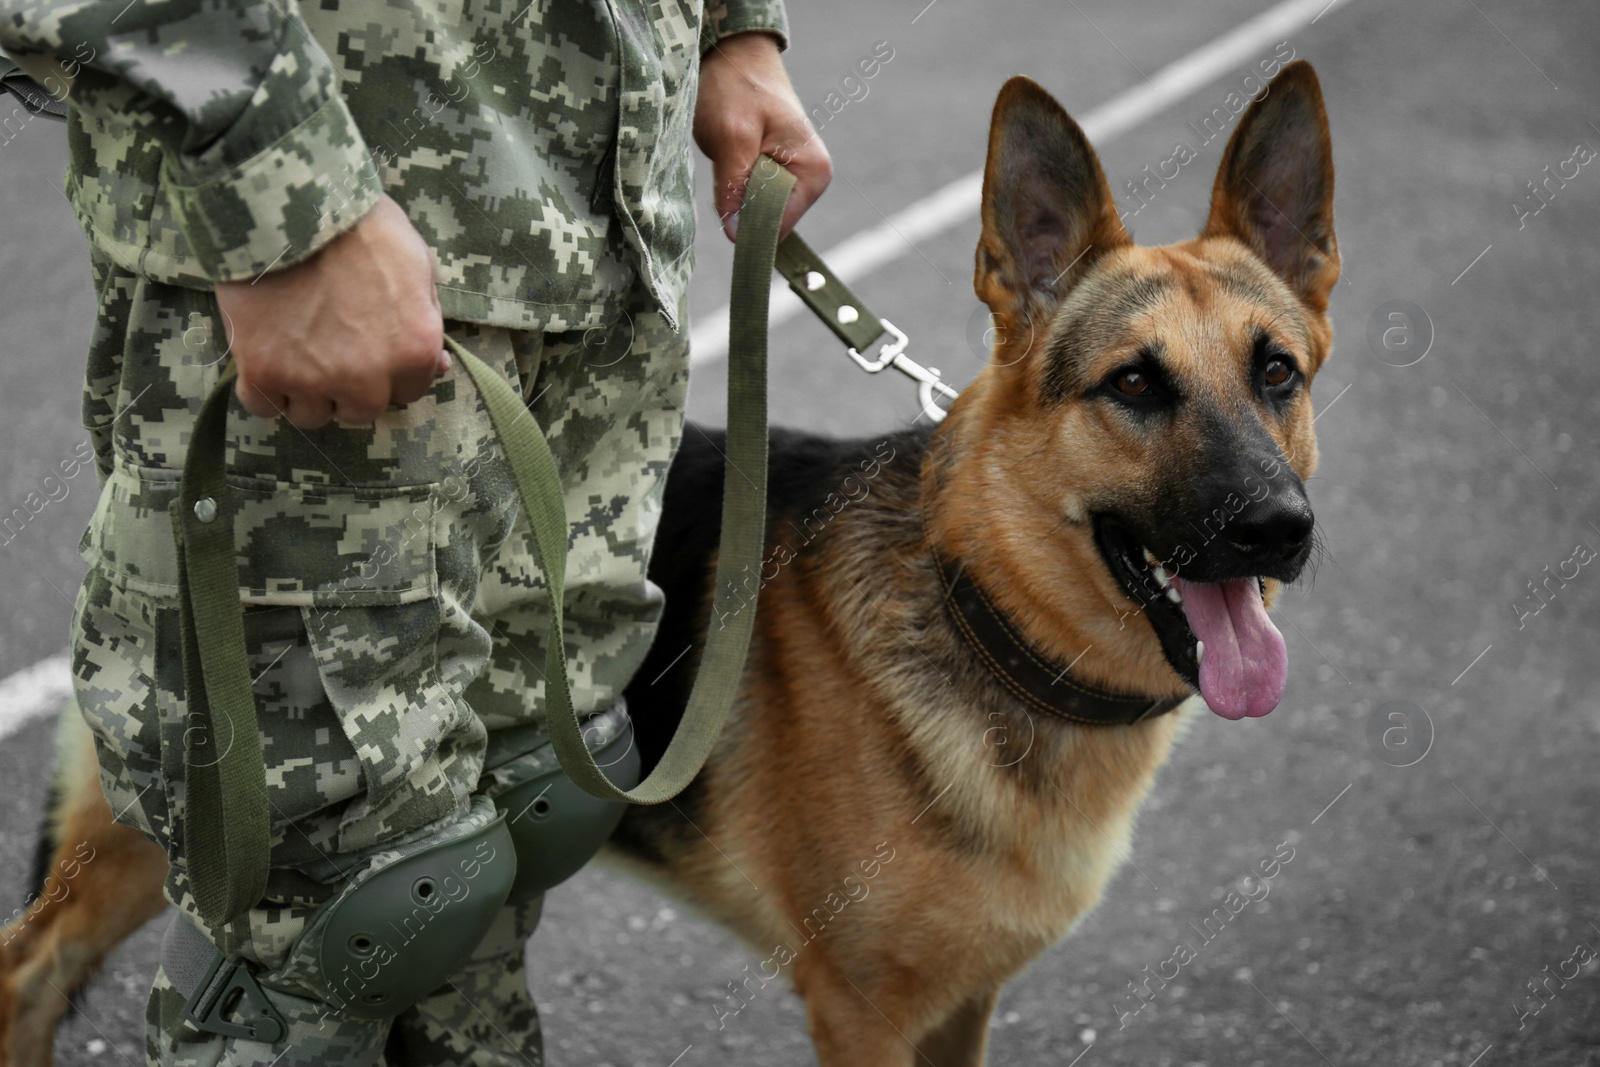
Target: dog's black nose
x,y
1274,530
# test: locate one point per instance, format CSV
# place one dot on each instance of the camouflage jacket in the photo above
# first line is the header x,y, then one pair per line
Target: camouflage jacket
x,y
541,147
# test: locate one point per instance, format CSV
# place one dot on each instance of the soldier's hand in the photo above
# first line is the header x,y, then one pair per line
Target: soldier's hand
x,y
747,107
343,334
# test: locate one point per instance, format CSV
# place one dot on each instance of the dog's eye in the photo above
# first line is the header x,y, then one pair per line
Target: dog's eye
x,y
1132,383
1277,372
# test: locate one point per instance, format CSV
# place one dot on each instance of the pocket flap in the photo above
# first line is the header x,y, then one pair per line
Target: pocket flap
x,y
297,544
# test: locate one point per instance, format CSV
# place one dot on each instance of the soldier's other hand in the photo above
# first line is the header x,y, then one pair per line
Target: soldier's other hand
x,y
747,107
344,334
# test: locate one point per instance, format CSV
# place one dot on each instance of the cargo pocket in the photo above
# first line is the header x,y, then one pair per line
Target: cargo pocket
x,y
298,544
340,594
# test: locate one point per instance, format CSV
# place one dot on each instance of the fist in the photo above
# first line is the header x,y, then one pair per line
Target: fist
x,y
344,334
747,107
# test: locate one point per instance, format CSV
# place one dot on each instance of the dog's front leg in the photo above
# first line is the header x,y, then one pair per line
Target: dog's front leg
x,y
849,1028
960,1040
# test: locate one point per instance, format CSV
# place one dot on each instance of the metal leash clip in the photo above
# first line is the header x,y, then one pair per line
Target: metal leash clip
x,y
841,311
893,354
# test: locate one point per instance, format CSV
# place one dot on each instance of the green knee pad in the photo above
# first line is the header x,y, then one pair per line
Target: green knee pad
x,y
390,937
556,827
398,935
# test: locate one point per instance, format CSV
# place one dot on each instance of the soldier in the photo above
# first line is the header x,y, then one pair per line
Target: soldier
x,y
319,195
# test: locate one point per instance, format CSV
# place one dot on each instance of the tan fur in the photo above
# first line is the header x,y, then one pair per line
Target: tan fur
x,y
105,883
865,738
857,728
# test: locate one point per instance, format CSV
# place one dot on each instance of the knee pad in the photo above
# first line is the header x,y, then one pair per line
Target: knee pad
x,y
396,936
555,826
390,937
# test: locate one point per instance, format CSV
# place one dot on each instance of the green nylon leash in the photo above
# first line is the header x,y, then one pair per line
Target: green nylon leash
x,y
226,829
227,833
744,508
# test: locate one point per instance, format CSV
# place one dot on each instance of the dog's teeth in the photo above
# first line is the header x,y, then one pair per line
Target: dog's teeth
x,y
1173,595
1162,579
1199,652
1150,557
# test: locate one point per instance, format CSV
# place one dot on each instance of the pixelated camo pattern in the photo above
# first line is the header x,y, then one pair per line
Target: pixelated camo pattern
x,y
540,147
541,150
394,614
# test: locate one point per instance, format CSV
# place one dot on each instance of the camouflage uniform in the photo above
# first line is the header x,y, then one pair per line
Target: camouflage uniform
x,y
393,611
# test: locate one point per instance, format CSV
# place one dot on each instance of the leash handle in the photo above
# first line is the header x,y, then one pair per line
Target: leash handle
x,y
226,831
226,825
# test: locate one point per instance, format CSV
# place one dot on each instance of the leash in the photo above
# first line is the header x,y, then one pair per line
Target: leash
x,y
744,513
227,826
853,323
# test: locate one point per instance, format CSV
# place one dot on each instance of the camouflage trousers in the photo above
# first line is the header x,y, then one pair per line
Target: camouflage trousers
x,y
393,619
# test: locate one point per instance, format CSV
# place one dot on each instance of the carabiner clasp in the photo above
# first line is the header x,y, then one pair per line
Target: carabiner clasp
x,y
930,383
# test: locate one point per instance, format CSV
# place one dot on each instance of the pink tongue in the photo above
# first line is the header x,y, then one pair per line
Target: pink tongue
x,y
1245,666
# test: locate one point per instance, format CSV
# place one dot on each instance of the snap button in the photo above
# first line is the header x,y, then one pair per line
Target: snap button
x,y
205,509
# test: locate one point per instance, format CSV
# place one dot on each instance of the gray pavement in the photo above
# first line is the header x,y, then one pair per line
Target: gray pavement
x,y
1421,899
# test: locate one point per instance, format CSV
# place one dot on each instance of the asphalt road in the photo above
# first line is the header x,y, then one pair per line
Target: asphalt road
x,y
1421,899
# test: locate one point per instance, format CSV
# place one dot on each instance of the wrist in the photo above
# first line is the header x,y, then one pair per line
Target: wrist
x,y
747,43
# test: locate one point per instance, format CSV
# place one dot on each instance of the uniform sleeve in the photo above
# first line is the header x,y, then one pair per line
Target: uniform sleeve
x,y
263,162
724,18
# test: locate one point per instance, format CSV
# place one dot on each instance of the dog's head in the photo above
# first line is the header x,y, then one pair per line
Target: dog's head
x,y
1146,412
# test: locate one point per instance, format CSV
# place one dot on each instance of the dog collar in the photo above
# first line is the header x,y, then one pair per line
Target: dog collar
x,y
1036,679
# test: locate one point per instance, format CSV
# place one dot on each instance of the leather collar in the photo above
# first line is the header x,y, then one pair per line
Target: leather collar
x,y
1037,680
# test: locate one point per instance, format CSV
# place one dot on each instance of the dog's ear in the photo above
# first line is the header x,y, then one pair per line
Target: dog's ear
x,y
1274,190
1048,213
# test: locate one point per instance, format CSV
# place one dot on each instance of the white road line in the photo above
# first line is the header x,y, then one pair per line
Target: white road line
x,y
957,202
42,688
33,692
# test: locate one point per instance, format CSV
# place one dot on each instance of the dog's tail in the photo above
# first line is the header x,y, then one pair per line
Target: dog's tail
x,y
92,884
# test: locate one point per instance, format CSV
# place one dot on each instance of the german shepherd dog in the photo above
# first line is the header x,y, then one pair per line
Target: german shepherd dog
x,y
969,636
